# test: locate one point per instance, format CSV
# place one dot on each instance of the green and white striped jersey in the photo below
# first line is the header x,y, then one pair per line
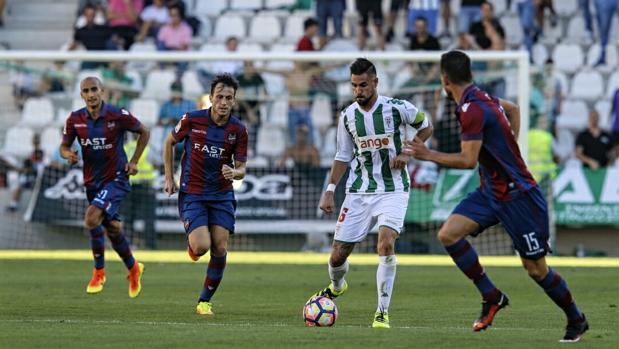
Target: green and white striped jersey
x,y
369,140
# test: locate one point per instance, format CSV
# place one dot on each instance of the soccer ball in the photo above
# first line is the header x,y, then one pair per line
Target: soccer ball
x,y
319,311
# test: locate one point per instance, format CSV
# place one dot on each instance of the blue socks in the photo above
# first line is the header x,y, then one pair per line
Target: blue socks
x,y
97,244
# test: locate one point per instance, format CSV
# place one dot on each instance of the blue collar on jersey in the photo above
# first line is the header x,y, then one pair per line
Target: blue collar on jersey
x,y
102,112
211,121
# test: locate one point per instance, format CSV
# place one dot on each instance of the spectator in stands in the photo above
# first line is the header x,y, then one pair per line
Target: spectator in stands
x,y
542,158
153,18
229,66
392,17
586,14
426,9
304,154
594,146
469,13
531,30
367,8
326,9
422,38
93,36
26,176
606,10
248,100
172,110
55,79
118,85
310,29
540,12
488,32
123,17
22,81
176,35
98,5
615,114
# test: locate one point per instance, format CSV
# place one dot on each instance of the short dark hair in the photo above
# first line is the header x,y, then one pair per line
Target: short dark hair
x,y
225,79
457,66
361,66
487,3
309,22
421,18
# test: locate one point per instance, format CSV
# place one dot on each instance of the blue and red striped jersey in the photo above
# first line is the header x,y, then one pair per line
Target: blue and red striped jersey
x,y
501,167
102,142
207,148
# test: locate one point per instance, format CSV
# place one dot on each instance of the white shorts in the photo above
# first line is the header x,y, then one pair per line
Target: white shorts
x,y
360,212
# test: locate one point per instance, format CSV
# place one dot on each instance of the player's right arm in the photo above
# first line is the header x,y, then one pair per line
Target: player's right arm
x,y
343,155
68,136
179,133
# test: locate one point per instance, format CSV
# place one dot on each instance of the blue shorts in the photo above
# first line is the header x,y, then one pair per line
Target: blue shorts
x,y
525,219
196,212
108,198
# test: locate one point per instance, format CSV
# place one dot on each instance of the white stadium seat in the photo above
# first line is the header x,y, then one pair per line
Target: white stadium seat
x,y
611,57
192,87
613,84
50,140
540,54
603,107
136,79
564,147
245,4
566,8
294,28
142,66
278,112
265,29
576,32
250,47
158,84
37,112
271,141
210,7
321,112
18,142
574,115
274,4
568,57
588,85
552,35
230,25
146,110
155,142
513,33
328,149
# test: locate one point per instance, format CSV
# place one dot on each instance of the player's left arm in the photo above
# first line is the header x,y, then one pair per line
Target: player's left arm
x,y
132,166
512,111
240,158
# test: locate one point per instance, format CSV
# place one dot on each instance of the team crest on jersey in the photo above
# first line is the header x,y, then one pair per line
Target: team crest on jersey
x,y
232,137
388,121
111,124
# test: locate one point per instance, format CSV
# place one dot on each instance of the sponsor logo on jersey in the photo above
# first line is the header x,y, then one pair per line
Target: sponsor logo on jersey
x,y
96,143
80,125
210,150
374,142
198,131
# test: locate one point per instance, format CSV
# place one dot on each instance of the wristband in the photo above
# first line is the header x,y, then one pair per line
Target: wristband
x,y
331,187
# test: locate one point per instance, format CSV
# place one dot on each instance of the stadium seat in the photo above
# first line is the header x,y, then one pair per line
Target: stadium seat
x,y
18,142
257,162
500,6
274,4
552,35
613,84
513,35
576,32
540,54
37,112
251,5
230,25
265,28
568,57
611,57
275,84
564,146
250,47
588,85
271,141
158,84
321,112
155,142
146,110
278,112
192,88
566,8
603,107
210,48
574,115
210,7
328,149
50,140
136,79
341,45
206,27
293,29
61,117
141,66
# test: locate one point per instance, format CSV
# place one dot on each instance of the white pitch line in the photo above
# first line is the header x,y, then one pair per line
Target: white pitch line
x,y
247,324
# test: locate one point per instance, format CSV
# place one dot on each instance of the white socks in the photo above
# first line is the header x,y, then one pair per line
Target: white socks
x,y
336,274
385,276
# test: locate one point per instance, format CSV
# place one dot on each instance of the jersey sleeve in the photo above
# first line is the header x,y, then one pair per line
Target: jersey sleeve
x,y
472,122
68,132
414,116
128,121
240,152
344,146
182,128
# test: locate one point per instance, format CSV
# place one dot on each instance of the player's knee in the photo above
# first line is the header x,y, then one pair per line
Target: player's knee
x,y
445,236
219,250
536,273
91,221
386,246
199,248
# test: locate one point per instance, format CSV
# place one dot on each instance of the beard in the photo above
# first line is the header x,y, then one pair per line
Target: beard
x,y
366,101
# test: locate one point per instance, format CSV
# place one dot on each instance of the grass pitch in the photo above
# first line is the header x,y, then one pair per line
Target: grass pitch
x,y
43,304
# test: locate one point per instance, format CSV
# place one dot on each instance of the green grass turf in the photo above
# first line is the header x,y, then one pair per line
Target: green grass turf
x,y
44,304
